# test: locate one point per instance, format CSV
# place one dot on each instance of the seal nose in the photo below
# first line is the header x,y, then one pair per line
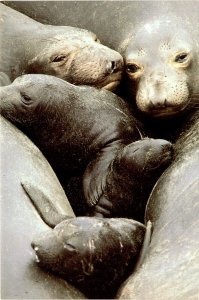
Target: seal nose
x,y
114,66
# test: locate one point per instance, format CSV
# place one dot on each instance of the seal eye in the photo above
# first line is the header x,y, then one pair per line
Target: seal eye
x,y
26,99
132,68
180,58
59,58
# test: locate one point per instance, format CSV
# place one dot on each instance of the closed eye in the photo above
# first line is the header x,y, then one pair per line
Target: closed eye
x,y
59,58
25,98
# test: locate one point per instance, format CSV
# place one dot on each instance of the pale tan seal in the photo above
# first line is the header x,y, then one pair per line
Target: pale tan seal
x,y
162,66
73,54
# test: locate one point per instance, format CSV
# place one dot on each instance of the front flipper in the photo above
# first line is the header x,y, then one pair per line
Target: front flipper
x,y
43,205
102,209
94,179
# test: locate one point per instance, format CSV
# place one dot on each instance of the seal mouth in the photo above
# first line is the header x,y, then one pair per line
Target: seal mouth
x,y
111,85
167,112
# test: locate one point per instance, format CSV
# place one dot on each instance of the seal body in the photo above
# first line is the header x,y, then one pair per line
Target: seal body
x,y
113,23
83,131
170,269
75,250
72,54
20,220
153,37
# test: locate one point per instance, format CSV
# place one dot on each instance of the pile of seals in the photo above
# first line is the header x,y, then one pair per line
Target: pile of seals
x,y
92,134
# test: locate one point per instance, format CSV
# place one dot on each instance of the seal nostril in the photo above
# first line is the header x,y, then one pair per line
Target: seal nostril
x,y
151,105
112,67
113,63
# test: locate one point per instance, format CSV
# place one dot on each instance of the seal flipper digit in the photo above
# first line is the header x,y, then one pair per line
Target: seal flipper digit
x,y
94,179
43,204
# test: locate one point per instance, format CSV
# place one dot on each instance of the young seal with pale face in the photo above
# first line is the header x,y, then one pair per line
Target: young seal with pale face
x,y
162,66
88,132
72,54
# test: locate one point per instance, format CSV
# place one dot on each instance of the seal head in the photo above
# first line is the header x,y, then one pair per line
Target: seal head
x,y
79,57
75,250
70,53
161,66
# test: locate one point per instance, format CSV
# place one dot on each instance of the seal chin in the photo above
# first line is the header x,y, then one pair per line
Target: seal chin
x,y
111,86
166,112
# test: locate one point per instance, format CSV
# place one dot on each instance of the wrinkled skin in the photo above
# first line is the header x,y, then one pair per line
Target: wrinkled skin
x,y
83,131
76,251
162,66
73,54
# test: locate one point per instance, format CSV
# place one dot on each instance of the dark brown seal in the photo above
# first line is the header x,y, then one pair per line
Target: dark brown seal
x,y
89,132
23,163
170,269
72,54
94,254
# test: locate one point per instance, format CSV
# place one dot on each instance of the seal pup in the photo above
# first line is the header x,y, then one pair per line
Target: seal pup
x,y
76,251
73,54
170,269
23,163
88,132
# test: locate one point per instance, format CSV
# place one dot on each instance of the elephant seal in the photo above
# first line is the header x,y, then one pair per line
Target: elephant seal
x,y
72,54
76,251
88,132
170,269
136,17
23,163
162,66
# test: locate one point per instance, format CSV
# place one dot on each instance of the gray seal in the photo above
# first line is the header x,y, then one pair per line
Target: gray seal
x,y
170,268
73,54
23,164
162,66
88,132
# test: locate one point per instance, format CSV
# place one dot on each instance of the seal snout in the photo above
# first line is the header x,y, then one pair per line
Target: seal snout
x,y
114,66
158,104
